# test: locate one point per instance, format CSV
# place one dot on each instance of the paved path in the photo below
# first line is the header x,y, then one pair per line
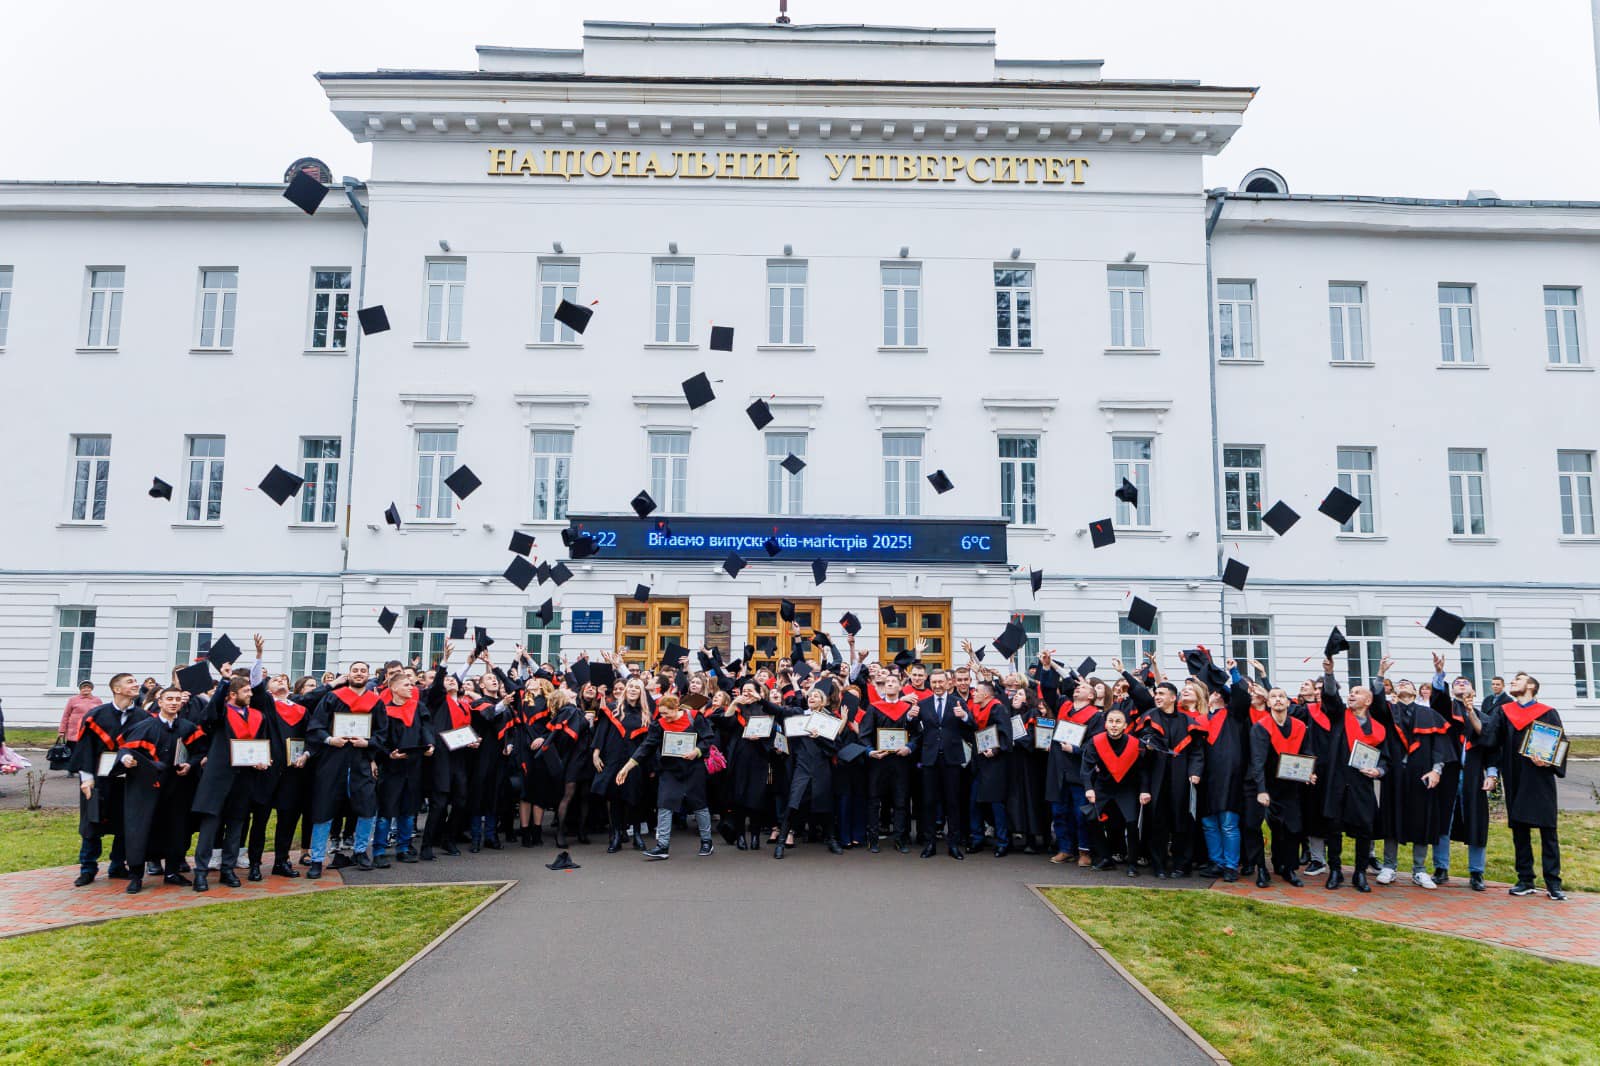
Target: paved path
x,y
873,959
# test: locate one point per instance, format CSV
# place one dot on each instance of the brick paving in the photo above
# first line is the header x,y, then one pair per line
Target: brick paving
x,y
1567,931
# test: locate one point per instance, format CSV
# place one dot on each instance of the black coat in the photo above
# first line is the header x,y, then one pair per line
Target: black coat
x,y
1225,737
1287,797
749,771
991,774
1470,822
1530,789
810,766
1025,807
1351,805
227,790
682,784
101,811
151,819
1099,775
616,737
1173,755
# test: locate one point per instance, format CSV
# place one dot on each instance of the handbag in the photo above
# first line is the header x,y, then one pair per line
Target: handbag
x,y
715,762
59,756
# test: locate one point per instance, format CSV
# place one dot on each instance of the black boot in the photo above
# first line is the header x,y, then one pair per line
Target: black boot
x,y
614,845
477,842
200,884
730,834
314,871
833,846
1294,879
525,834
255,872
1335,877
739,841
283,868
427,853
1358,881
538,835
229,878
135,884
561,836
1263,879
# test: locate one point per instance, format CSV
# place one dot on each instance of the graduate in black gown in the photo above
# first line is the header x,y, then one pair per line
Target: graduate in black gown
x,y
1116,788
342,771
617,733
402,740
1270,798
749,771
1475,728
448,771
158,753
1351,806
1026,812
1530,784
100,796
1175,762
889,770
237,711
811,767
990,769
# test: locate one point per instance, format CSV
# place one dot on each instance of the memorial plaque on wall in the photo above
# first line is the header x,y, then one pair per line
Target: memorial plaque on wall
x,y
719,633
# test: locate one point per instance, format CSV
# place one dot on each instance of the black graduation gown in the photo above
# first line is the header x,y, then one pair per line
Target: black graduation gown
x,y
1173,754
483,784
1225,741
449,773
810,766
400,780
1470,822
1101,764
681,787
1316,796
749,770
616,735
1288,797
101,812
1351,805
1530,789
291,786
1025,807
154,812
1422,811
342,771
227,790
991,774
1064,768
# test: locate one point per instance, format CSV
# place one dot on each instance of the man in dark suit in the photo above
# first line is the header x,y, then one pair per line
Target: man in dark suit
x,y
944,724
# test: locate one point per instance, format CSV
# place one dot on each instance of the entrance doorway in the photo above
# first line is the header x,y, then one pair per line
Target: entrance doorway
x,y
645,629
916,620
767,630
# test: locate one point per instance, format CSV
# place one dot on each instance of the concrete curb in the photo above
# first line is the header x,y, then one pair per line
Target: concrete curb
x,y
427,949
1138,986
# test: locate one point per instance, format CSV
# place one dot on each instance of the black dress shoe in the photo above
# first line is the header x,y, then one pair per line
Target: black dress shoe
x,y
175,879
1358,881
451,850
135,884
84,877
1475,882
1335,877
777,850
1106,864
1263,879
200,884
405,855
493,843
929,851
426,855
380,861
1002,850
255,871
363,861
314,871
955,851
152,869
340,861
119,871
229,878
1294,879
1211,870
1229,874
902,847
834,848
476,845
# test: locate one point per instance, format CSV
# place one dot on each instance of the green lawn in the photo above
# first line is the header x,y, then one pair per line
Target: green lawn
x,y
30,737
1580,852
237,983
1269,984
1584,746
32,839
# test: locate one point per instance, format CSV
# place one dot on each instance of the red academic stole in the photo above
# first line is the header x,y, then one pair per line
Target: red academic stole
x,y
1521,717
684,722
918,694
1212,725
460,714
1119,765
404,713
245,722
893,711
1285,745
291,713
1077,717
1314,712
1353,733
1259,715
356,702
1176,749
980,715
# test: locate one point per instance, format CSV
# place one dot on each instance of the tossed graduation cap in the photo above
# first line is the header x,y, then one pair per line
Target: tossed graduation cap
x,y
1087,667
802,668
697,390
391,515
722,338
546,611
819,571
766,645
1280,518
373,319
821,639
1128,493
772,547
642,504
979,653
584,545
786,610
850,623
733,564
520,572
195,679
574,316
560,573
280,485
223,651
567,536
521,543
481,640
1197,661
941,482
641,593
852,751
675,654
458,629
904,658
1339,505
1336,643
887,613
1444,625
1035,580
420,622
543,573
387,619
305,192
160,490
793,463
1102,533
462,481
601,675
1142,613
1234,574
1012,638
760,414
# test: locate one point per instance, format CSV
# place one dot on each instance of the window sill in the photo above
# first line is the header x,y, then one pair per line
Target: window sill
x,y
1465,539
422,525
1351,362
674,346
1463,366
210,351
312,525
61,691
95,350
1560,368
1245,534
786,347
1016,351
1362,538
438,344
1579,540
197,525
1140,534
911,349
552,345
80,524
1241,362
1133,351
326,351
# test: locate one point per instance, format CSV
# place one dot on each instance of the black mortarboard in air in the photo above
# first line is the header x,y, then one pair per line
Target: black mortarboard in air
x,y
1280,518
391,515
1234,574
373,319
887,613
767,645
521,542
1035,580
160,489
560,573
733,564
601,675
979,653
760,414
904,658
941,482
821,639
1142,613
1198,662
458,629
574,316
697,390
1128,493
543,572
280,485
675,654
387,619
850,623
463,482
1339,505
420,622
223,651
1444,625
1087,667
305,192
642,504
722,338
584,545
1012,638
567,535
641,593
793,463
786,610
819,571
520,572
749,652
195,679
772,547
802,668
481,640
1336,644
1102,533
546,611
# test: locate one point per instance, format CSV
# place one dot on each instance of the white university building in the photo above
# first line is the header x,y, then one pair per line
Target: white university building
x,y
932,259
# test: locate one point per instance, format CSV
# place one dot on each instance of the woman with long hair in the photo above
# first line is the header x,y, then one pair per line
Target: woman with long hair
x,y
617,732
811,759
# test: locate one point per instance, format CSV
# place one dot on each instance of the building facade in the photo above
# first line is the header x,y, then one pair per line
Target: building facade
x,y
931,258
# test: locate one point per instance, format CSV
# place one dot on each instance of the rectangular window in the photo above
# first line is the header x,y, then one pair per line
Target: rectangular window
x,y
1126,286
558,280
104,308
1236,319
1131,459
1250,637
1013,307
1562,346
552,473
1576,477
786,302
902,304
447,297
1136,643
191,635
330,310
1243,488
1358,474
91,474
1347,322
1476,646
1019,480
1032,623
1455,324
75,646
785,491
205,479
1585,659
436,460
543,641
5,303
426,628
669,471
674,292
1366,650
319,465
219,296
902,473
1468,488
308,642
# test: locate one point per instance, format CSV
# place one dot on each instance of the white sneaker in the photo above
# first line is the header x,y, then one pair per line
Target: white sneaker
x,y
1386,876
1423,880
215,862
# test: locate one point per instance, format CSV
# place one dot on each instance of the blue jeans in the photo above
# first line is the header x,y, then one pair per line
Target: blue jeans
x,y
89,853
1222,838
321,831
1071,829
997,812
405,829
1477,858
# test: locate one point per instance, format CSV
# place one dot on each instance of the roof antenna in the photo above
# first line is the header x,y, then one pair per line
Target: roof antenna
x,y
783,12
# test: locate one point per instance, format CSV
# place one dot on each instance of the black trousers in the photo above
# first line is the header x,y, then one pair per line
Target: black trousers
x,y
889,778
941,786
1336,845
1285,847
255,840
213,826
1116,835
1549,854
1169,847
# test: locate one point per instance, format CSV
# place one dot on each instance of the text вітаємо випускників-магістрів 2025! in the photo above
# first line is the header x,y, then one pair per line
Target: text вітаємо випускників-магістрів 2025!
x,y
783,164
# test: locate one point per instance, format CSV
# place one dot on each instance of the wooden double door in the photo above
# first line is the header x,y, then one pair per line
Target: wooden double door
x,y
645,629
916,620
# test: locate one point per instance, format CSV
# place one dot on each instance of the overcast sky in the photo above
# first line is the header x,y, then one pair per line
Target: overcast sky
x,y
1393,97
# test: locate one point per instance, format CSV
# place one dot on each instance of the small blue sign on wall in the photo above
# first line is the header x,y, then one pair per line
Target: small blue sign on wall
x,y
588,621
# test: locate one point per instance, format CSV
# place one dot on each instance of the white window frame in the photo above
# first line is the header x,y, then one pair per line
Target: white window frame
x,y
1236,487
1365,635
900,282
1576,494
319,497
542,642
1478,647
550,472
1255,642
90,472
102,307
1014,301
667,468
1134,642
1347,319
1586,659
1032,623
428,641
216,309
7,282
1020,471
446,293
1140,471
310,631
788,303
1563,326
1459,340
1238,324
192,633
552,290
74,646
1363,485
1129,305
1469,492
786,492
902,474
203,476
672,301
336,331
435,463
